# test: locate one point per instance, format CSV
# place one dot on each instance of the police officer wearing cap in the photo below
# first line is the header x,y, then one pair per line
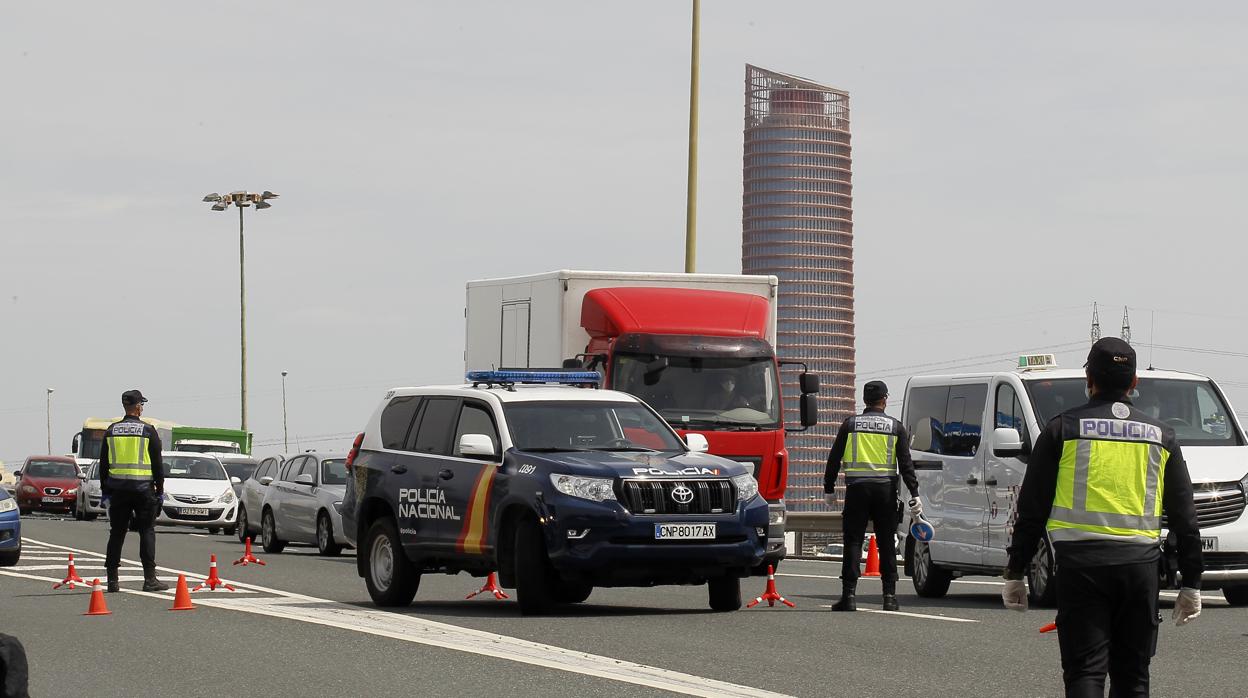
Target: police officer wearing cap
x,y
132,477
1099,478
871,449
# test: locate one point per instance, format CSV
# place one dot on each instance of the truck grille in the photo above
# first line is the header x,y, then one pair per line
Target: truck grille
x,y
1217,503
666,496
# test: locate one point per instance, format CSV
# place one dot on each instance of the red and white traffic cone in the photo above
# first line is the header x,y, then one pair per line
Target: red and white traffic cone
x,y
491,586
247,556
873,559
70,577
213,581
97,606
1049,628
771,596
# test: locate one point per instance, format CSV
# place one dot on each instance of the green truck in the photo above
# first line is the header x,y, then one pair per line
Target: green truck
x,y
174,437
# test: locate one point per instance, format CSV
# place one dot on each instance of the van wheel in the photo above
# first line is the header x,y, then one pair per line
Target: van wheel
x,y
724,593
1236,594
930,581
535,577
391,578
268,534
325,536
1042,577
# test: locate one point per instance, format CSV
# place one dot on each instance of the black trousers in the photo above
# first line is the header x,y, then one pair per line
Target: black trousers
x,y
874,500
139,508
1107,620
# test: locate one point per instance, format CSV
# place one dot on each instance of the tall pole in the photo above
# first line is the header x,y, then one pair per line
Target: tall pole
x,y
285,433
50,391
691,210
242,318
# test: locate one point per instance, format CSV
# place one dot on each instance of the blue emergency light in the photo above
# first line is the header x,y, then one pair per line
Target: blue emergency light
x,y
513,376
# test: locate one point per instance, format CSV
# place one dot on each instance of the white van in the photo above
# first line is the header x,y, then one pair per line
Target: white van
x,y
970,436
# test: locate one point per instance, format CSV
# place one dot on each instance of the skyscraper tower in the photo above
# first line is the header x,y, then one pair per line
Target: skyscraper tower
x,y
797,223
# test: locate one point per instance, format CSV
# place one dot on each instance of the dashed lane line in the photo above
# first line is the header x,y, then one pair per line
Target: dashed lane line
x,y
907,614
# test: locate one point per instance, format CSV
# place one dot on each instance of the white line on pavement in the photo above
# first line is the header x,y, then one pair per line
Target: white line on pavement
x,y
951,619
79,568
868,579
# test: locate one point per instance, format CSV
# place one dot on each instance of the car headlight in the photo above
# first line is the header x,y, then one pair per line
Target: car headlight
x,y
7,505
227,498
29,490
747,487
338,507
595,489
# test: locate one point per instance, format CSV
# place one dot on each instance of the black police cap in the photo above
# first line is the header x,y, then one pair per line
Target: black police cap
x,y
132,397
1111,356
874,391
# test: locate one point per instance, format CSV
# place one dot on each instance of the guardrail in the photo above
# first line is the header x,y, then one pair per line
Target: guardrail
x,y
824,523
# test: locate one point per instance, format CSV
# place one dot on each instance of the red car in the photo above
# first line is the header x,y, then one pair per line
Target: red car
x,y
47,483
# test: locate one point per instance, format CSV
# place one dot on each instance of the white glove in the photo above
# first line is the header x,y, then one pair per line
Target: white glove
x,y
1187,606
830,499
916,508
1015,595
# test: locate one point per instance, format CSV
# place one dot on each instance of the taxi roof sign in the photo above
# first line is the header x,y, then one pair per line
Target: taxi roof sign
x,y
1028,362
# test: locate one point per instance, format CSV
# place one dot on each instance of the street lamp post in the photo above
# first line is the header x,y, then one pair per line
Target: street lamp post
x,y
285,434
691,195
241,200
50,391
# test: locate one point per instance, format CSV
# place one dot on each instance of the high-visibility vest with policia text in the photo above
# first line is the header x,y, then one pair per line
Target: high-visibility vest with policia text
x,y
1110,478
870,448
128,457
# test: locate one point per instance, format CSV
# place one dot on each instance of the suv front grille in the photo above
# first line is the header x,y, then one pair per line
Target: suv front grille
x,y
1225,561
1217,503
664,496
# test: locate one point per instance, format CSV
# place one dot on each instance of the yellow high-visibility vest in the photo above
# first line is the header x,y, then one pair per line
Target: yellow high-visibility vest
x,y
871,449
128,457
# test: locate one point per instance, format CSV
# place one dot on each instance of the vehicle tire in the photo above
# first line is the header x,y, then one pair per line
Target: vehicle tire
x,y
392,580
1236,594
572,592
244,532
230,530
535,577
88,516
1042,577
724,593
9,558
325,536
78,509
930,581
268,534
23,511
213,530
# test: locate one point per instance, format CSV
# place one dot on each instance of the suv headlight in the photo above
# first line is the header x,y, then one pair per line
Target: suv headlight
x,y
746,486
7,505
227,498
595,489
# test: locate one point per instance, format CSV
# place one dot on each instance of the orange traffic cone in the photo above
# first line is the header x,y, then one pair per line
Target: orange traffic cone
x,y
1049,628
97,607
213,581
247,556
70,577
182,597
873,559
491,586
770,595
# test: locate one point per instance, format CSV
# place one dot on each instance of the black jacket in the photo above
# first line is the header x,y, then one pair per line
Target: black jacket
x,y
1035,500
107,485
905,466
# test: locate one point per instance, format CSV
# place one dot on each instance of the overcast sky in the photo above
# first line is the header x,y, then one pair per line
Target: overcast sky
x,y
1012,164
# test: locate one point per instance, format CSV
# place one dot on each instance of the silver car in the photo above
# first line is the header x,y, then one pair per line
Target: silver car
x,y
251,496
89,503
304,503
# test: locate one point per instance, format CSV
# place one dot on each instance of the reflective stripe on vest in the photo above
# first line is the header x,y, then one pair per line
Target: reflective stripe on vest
x,y
1118,498
128,458
870,455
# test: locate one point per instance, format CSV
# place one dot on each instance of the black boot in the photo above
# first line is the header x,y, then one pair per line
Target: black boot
x,y
151,583
113,584
890,602
847,602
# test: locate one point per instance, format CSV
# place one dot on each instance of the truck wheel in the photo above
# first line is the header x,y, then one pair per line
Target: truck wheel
x,y
724,593
535,577
1236,594
325,536
930,581
268,534
391,578
572,592
1042,577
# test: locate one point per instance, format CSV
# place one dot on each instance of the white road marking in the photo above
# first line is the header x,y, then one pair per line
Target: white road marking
x,y
876,579
77,568
951,619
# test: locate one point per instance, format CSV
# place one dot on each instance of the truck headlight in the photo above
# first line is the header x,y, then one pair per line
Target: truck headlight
x,y
7,505
595,489
747,487
227,498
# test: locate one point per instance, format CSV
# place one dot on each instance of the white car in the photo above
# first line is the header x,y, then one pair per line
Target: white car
x,y
198,492
89,505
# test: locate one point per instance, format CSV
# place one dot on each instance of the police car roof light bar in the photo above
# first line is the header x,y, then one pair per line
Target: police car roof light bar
x,y
507,378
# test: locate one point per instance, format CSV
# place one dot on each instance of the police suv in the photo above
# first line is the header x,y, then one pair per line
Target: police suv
x,y
970,438
553,483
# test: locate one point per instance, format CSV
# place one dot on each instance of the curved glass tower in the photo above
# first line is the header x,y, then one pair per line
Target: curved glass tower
x,y
797,222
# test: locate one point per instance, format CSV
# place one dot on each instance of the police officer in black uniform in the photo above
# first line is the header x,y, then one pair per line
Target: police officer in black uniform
x,y
133,479
871,448
1098,480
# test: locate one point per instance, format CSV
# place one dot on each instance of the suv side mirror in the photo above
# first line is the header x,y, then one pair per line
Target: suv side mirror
x,y
476,446
697,443
303,479
809,407
1006,443
809,383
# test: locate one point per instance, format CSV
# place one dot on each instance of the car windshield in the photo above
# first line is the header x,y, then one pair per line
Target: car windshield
x,y
192,468
50,468
703,392
334,472
588,426
1193,408
240,470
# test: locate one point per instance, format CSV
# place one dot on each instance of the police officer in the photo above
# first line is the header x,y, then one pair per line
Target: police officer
x,y
1098,479
133,479
871,448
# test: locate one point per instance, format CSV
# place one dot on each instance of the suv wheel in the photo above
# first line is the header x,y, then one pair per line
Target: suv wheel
x,y
535,578
572,592
930,581
1236,594
1042,577
9,558
392,580
268,534
724,593
325,536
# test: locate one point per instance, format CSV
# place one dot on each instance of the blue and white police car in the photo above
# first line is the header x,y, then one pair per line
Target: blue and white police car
x,y
10,530
553,483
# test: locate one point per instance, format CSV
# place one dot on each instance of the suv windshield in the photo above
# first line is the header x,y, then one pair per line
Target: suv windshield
x,y
704,392
50,468
192,468
1193,408
334,472
588,426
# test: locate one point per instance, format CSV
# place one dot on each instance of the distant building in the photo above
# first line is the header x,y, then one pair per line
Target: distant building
x,y
797,223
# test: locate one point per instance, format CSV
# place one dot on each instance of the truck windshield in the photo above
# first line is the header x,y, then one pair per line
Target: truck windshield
x,y
588,426
1193,408
191,468
703,392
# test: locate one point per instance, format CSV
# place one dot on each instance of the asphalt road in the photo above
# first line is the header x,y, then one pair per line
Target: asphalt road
x,y
304,624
